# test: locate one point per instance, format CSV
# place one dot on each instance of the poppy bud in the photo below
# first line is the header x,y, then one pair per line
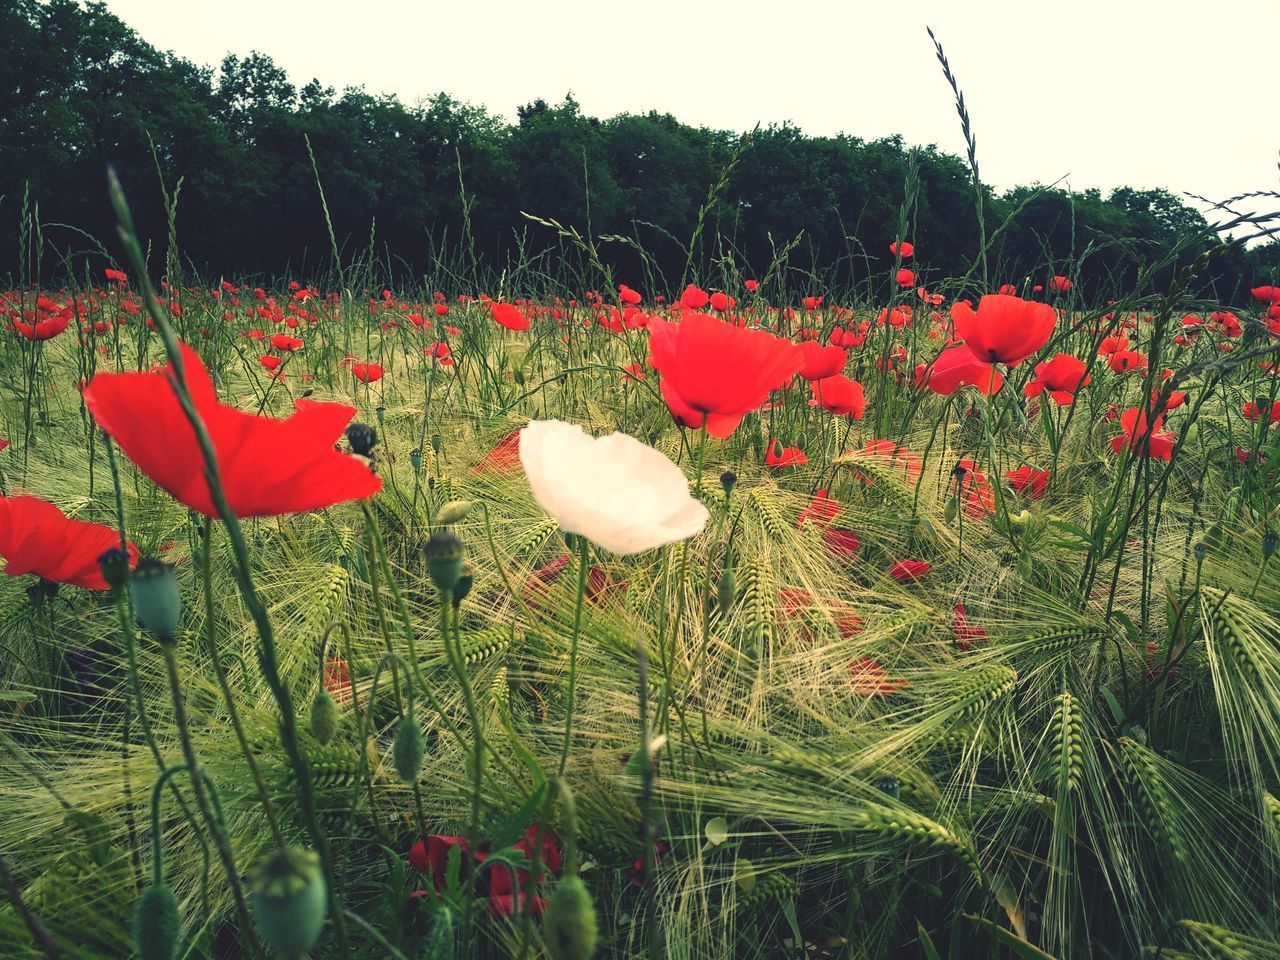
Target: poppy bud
x,y
324,717
1269,543
727,480
362,438
115,567
569,928
381,414
415,458
444,559
407,750
1201,550
890,785
156,924
453,511
727,590
465,581
288,894
156,598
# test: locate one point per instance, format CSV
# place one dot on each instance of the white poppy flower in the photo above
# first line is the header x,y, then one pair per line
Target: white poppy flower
x,y
619,493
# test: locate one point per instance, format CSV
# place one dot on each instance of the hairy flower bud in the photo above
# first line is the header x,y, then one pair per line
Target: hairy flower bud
x,y
288,894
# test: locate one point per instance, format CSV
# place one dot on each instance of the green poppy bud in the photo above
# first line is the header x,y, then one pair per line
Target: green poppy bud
x,y
569,925
890,785
362,438
156,598
415,458
115,567
156,924
324,717
288,894
444,559
453,511
727,591
381,414
407,750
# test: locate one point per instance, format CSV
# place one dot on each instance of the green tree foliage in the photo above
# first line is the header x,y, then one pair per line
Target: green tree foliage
x,y
80,90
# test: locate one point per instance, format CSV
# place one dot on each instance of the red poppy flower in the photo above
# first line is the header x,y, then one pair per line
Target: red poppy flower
x,y
45,328
1127,361
751,285
627,295
1261,410
1029,480
905,571
270,362
1136,428
1110,345
36,537
822,510
1059,284
504,314
504,456
966,633
840,395
117,276
1008,290
693,298
957,367
721,302
717,373
1266,294
903,249
905,278
367,372
268,466
893,455
282,341
778,456
1063,376
870,679
819,361
337,679
440,351
841,542
1004,329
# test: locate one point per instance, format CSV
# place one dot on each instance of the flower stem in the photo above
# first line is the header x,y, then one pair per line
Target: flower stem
x,y
584,551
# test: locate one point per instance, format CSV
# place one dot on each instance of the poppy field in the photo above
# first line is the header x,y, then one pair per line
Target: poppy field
x,y
513,614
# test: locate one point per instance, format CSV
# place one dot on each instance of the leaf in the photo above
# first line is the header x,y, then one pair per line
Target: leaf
x,y
926,943
1117,714
508,833
1004,937
16,696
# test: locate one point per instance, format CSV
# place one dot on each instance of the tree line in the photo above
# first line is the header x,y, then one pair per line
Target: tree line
x,y
244,153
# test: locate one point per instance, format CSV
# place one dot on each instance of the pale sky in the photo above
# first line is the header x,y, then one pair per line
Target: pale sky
x,y
1175,94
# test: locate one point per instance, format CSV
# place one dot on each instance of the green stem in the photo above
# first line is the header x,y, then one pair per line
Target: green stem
x,y
584,551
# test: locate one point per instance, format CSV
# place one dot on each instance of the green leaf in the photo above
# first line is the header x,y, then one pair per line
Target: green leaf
x,y
926,943
1008,939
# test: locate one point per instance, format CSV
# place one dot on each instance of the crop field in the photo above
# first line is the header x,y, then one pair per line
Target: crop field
x,y
437,623
834,558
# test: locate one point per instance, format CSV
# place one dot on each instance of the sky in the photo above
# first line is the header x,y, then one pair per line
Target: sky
x,y
1091,94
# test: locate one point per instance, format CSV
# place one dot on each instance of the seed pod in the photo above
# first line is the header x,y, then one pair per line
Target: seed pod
x,y
288,894
362,437
728,480
415,458
444,559
156,598
407,750
156,924
114,563
569,927
324,717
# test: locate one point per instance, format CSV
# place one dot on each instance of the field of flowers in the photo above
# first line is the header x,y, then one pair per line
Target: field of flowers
x,y
728,620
